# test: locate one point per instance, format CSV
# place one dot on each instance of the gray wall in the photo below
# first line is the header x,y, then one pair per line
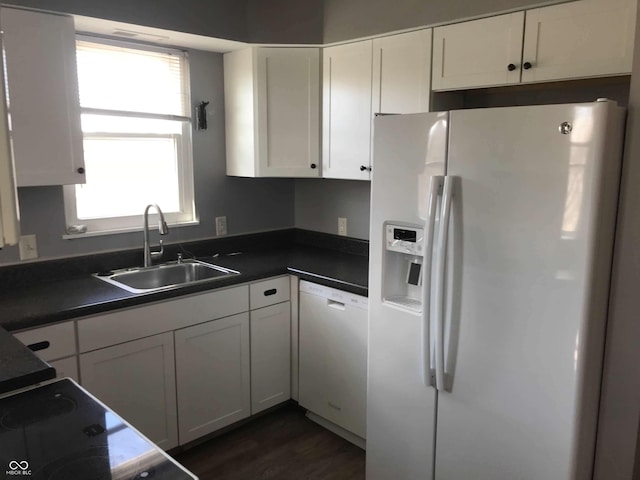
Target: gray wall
x,y
220,18
348,19
249,204
319,203
620,407
285,21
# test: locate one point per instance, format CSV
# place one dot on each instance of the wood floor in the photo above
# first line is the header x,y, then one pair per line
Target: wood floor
x,y
283,444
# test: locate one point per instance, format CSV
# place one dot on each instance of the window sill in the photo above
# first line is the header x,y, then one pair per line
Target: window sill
x,y
99,233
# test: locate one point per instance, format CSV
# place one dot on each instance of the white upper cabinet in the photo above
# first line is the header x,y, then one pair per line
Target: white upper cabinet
x,y
579,39
272,109
346,140
588,38
386,75
401,73
478,53
44,106
9,215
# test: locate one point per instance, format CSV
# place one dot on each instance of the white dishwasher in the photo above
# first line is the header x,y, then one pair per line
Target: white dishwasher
x,y
333,356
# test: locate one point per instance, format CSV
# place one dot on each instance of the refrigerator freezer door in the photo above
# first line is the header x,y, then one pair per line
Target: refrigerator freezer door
x,y
537,201
408,150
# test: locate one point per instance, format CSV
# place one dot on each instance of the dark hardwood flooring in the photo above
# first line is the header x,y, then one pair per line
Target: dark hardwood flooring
x,y
282,444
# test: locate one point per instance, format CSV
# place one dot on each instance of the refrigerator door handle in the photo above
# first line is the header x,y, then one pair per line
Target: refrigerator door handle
x,y
435,188
439,293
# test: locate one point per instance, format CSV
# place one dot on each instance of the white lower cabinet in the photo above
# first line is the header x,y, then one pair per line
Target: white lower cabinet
x,y
51,342
181,369
66,368
333,356
270,356
213,376
55,344
137,380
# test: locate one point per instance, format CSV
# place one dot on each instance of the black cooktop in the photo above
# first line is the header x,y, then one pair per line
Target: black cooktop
x,y
60,432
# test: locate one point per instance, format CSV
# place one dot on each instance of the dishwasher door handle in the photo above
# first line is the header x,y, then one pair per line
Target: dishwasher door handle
x,y
336,305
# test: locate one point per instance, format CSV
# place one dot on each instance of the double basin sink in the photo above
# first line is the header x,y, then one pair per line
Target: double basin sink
x,y
164,276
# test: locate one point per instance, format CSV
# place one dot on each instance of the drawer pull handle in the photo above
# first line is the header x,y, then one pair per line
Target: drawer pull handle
x,y
271,291
34,347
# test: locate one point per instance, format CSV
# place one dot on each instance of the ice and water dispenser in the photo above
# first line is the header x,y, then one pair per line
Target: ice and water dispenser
x,y
402,267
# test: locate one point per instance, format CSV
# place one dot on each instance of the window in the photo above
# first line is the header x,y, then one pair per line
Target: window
x,y
137,137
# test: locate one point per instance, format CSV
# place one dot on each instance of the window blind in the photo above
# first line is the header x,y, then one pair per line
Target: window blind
x,y
113,77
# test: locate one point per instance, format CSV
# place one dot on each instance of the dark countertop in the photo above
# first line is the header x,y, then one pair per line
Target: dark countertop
x,y
40,304
19,367
59,430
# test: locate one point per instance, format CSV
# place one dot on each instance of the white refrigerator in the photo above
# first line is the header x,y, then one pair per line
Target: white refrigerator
x,y
491,242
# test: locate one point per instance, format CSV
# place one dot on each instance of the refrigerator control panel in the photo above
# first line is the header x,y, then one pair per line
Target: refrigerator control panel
x,y
404,239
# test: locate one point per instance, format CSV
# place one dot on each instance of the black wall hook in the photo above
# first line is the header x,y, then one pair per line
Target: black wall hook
x,y
201,116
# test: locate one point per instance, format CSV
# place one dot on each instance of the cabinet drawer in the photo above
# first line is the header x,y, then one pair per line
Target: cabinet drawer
x,y
130,324
269,292
50,342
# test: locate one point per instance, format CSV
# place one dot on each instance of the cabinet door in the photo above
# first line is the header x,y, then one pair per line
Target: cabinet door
x,y
478,53
289,112
43,97
137,380
239,112
270,356
9,215
579,39
333,361
213,376
346,140
401,73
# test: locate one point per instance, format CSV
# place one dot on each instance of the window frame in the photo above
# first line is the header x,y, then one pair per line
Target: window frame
x,y
80,228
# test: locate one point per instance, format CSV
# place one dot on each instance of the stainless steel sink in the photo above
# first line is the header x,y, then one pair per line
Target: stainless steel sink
x,y
168,275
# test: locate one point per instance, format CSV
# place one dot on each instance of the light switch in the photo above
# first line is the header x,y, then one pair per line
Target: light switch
x,y
28,247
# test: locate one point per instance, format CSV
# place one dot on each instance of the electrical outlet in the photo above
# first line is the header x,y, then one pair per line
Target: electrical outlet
x,y
342,226
221,226
28,247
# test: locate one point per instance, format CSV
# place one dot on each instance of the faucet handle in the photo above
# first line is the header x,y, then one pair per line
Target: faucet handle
x,y
159,253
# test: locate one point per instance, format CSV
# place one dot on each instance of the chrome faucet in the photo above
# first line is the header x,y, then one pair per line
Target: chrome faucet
x,y
163,229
